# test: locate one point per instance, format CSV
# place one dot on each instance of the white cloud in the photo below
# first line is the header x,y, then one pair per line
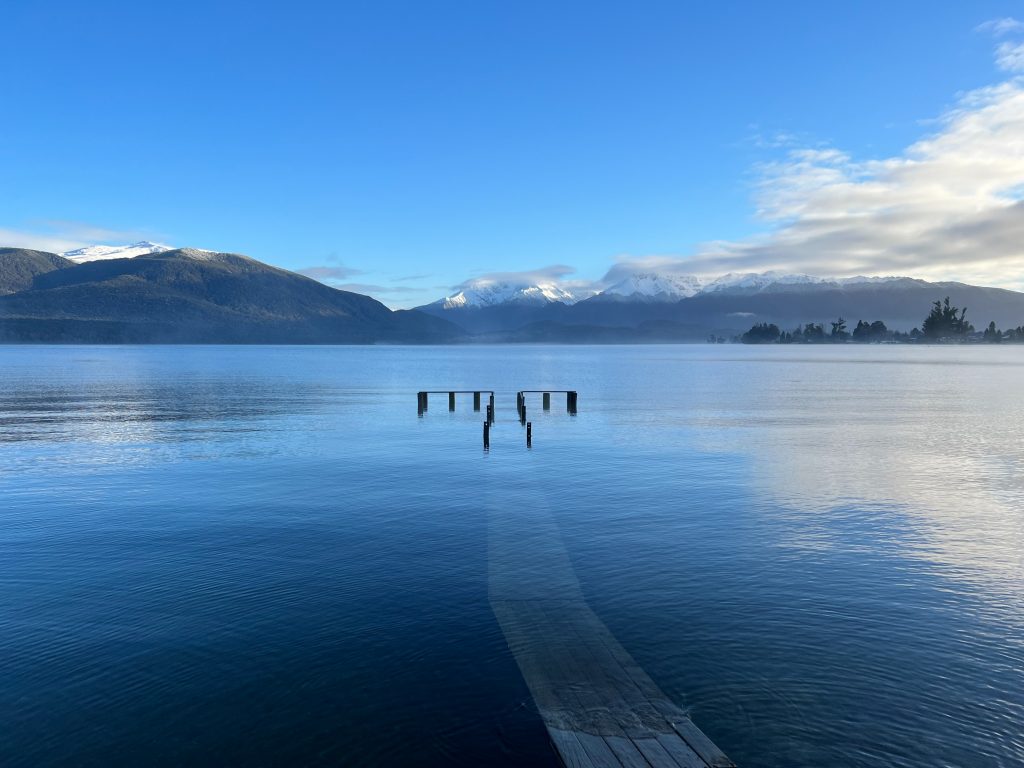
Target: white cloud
x,y
329,273
949,207
14,238
555,273
999,27
1010,57
60,236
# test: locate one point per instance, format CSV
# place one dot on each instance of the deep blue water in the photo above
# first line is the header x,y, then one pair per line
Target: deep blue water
x,y
262,556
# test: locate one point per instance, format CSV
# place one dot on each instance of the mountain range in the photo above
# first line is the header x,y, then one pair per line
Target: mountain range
x,y
190,296
152,293
649,306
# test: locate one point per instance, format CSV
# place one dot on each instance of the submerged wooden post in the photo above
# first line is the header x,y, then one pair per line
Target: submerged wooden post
x,y
419,403
424,401
522,413
529,433
547,401
476,401
490,407
487,434
451,401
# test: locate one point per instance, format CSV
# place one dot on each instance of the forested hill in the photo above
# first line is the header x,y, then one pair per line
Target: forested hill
x,y
191,296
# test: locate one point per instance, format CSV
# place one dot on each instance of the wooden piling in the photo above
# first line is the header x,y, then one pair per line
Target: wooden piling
x,y
425,401
522,413
490,406
476,401
547,401
487,434
529,434
451,401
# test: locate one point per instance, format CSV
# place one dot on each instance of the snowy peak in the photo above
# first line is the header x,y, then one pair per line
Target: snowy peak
x,y
98,252
649,286
757,281
488,293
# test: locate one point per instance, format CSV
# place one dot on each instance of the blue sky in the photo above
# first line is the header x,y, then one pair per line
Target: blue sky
x,y
402,148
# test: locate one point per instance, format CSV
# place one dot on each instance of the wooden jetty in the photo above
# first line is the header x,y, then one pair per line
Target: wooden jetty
x,y
571,400
423,399
600,708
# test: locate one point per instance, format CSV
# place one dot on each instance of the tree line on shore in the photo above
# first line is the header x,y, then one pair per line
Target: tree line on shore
x,y
945,323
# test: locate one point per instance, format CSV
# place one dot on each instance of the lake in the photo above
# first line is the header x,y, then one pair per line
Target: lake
x,y
263,556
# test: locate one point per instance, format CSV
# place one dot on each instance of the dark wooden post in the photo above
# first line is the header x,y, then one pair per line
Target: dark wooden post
x,y
529,433
451,401
425,401
490,407
519,403
487,434
522,413
476,401
547,401
572,402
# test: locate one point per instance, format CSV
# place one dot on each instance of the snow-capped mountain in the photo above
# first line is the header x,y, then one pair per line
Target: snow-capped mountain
x,y
489,293
98,252
650,286
757,281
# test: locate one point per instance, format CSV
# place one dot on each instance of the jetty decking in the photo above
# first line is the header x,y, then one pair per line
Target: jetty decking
x,y
600,708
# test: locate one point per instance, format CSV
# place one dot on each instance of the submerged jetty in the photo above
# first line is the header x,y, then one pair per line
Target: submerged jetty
x,y
600,708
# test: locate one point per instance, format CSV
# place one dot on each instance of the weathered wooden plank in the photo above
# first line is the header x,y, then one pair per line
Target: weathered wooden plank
x,y
580,673
654,753
598,751
686,758
627,752
569,748
701,744
634,711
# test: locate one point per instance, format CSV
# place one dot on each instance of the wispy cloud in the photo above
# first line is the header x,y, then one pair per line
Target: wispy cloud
x,y
329,273
374,289
999,27
1010,57
1009,54
555,273
60,236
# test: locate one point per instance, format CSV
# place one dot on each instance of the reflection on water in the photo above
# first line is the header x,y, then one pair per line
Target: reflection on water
x,y
261,555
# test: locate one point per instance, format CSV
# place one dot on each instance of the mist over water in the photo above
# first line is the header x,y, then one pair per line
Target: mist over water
x,y
261,556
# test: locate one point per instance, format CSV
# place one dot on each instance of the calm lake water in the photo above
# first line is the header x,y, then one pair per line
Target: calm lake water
x,y
261,556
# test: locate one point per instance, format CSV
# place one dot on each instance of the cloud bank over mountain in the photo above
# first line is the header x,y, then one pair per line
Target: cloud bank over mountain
x,y
949,207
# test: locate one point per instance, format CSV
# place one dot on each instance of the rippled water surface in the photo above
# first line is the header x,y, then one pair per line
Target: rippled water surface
x,y
262,556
